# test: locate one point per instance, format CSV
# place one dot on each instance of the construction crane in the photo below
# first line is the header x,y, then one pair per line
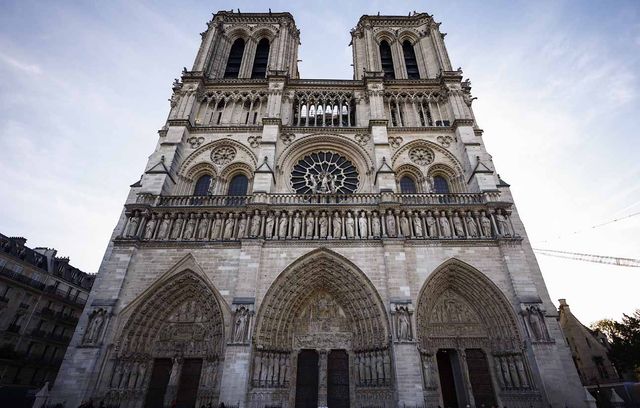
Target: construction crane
x,y
610,260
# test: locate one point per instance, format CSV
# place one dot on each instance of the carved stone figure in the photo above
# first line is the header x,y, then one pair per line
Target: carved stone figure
x,y
471,226
417,225
429,372
271,219
445,227
323,225
216,231
350,226
242,226
405,228
432,230
228,227
535,320
241,325
150,227
132,228
375,225
485,223
297,225
203,227
337,225
283,223
309,224
94,328
255,225
362,225
190,227
503,224
163,231
403,324
177,227
391,224
457,225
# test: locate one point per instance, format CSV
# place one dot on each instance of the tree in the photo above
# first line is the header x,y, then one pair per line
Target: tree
x,y
624,339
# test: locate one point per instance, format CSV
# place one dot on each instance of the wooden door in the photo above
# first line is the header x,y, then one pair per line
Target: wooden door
x,y
158,384
307,379
338,379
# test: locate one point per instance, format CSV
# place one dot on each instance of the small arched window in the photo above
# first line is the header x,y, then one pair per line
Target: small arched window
x,y
440,185
235,59
238,185
202,185
260,61
410,60
407,185
386,60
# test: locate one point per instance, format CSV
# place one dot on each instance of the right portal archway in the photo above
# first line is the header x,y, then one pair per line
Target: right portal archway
x,y
470,345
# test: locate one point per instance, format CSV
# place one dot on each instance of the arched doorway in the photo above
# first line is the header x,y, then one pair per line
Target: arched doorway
x,y
168,351
322,337
470,344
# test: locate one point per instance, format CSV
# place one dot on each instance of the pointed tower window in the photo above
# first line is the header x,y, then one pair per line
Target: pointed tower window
x,y
410,60
235,59
202,185
407,185
386,60
440,185
239,185
260,62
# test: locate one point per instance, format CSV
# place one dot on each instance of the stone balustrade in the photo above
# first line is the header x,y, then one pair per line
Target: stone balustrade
x,y
470,216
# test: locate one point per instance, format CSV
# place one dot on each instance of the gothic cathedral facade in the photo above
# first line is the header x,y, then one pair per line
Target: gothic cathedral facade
x,y
311,243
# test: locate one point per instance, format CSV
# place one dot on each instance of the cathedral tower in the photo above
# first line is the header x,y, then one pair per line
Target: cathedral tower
x,y
309,242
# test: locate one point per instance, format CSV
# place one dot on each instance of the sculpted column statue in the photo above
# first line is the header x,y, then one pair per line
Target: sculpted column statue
x,y
268,231
405,228
132,228
216,231
417,225
163,231
323,225
255,225
190,227
445,227
485,223
203,227
149,229
471,225
432,229
457,225
503,224
308,225
350,226
177,226
242,226
337,225
283,223
362,225
228,227
375,225
391,224
297,225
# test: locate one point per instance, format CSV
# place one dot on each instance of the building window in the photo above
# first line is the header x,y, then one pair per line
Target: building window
x,y
440,185
202,185
238,185
386,61
410,60
407,185
260,61
235,59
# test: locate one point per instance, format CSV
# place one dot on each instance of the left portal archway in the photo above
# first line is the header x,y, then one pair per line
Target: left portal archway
x,y
169,350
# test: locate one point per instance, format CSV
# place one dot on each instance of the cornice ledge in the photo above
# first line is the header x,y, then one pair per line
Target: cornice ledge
x,y
462,122
378,122
272,121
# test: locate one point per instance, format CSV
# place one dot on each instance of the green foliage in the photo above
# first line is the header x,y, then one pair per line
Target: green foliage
x,y
624,339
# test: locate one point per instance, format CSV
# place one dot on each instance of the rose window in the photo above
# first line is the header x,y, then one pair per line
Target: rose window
x,y
324,173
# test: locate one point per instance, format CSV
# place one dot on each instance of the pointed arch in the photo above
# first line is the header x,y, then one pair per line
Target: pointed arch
x,y
261,59
322,270
477,298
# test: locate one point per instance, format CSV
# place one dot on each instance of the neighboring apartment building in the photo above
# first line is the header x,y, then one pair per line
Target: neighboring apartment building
x,y
41,299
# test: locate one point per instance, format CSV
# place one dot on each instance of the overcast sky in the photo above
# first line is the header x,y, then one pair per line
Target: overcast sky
x,y
85,86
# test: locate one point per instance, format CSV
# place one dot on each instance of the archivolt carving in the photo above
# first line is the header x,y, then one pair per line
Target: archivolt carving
x,y
203,155
458,301
347,303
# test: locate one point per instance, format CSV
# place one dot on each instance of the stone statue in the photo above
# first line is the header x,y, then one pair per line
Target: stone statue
x,y
417,224
177,227
431,225
163,231
332,184
485,223
391,224
203,227
535,318
405,228
283,223
429,372
445,227
457,225
191,226
228,227
150,227
271,219
216,231
350,226
404,324
297,225
313,184
255,225
375,225
132,228
471,226
503,224
242,226
241,323
337,225
308,228
94,328
323,225
362,225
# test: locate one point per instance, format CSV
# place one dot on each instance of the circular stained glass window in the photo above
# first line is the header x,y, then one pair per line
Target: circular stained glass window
x,y
324,173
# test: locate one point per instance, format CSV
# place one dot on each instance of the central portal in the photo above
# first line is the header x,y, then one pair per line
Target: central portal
x,y
307,380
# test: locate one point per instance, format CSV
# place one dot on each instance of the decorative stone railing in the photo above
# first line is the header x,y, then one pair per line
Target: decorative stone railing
x,y
479,216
